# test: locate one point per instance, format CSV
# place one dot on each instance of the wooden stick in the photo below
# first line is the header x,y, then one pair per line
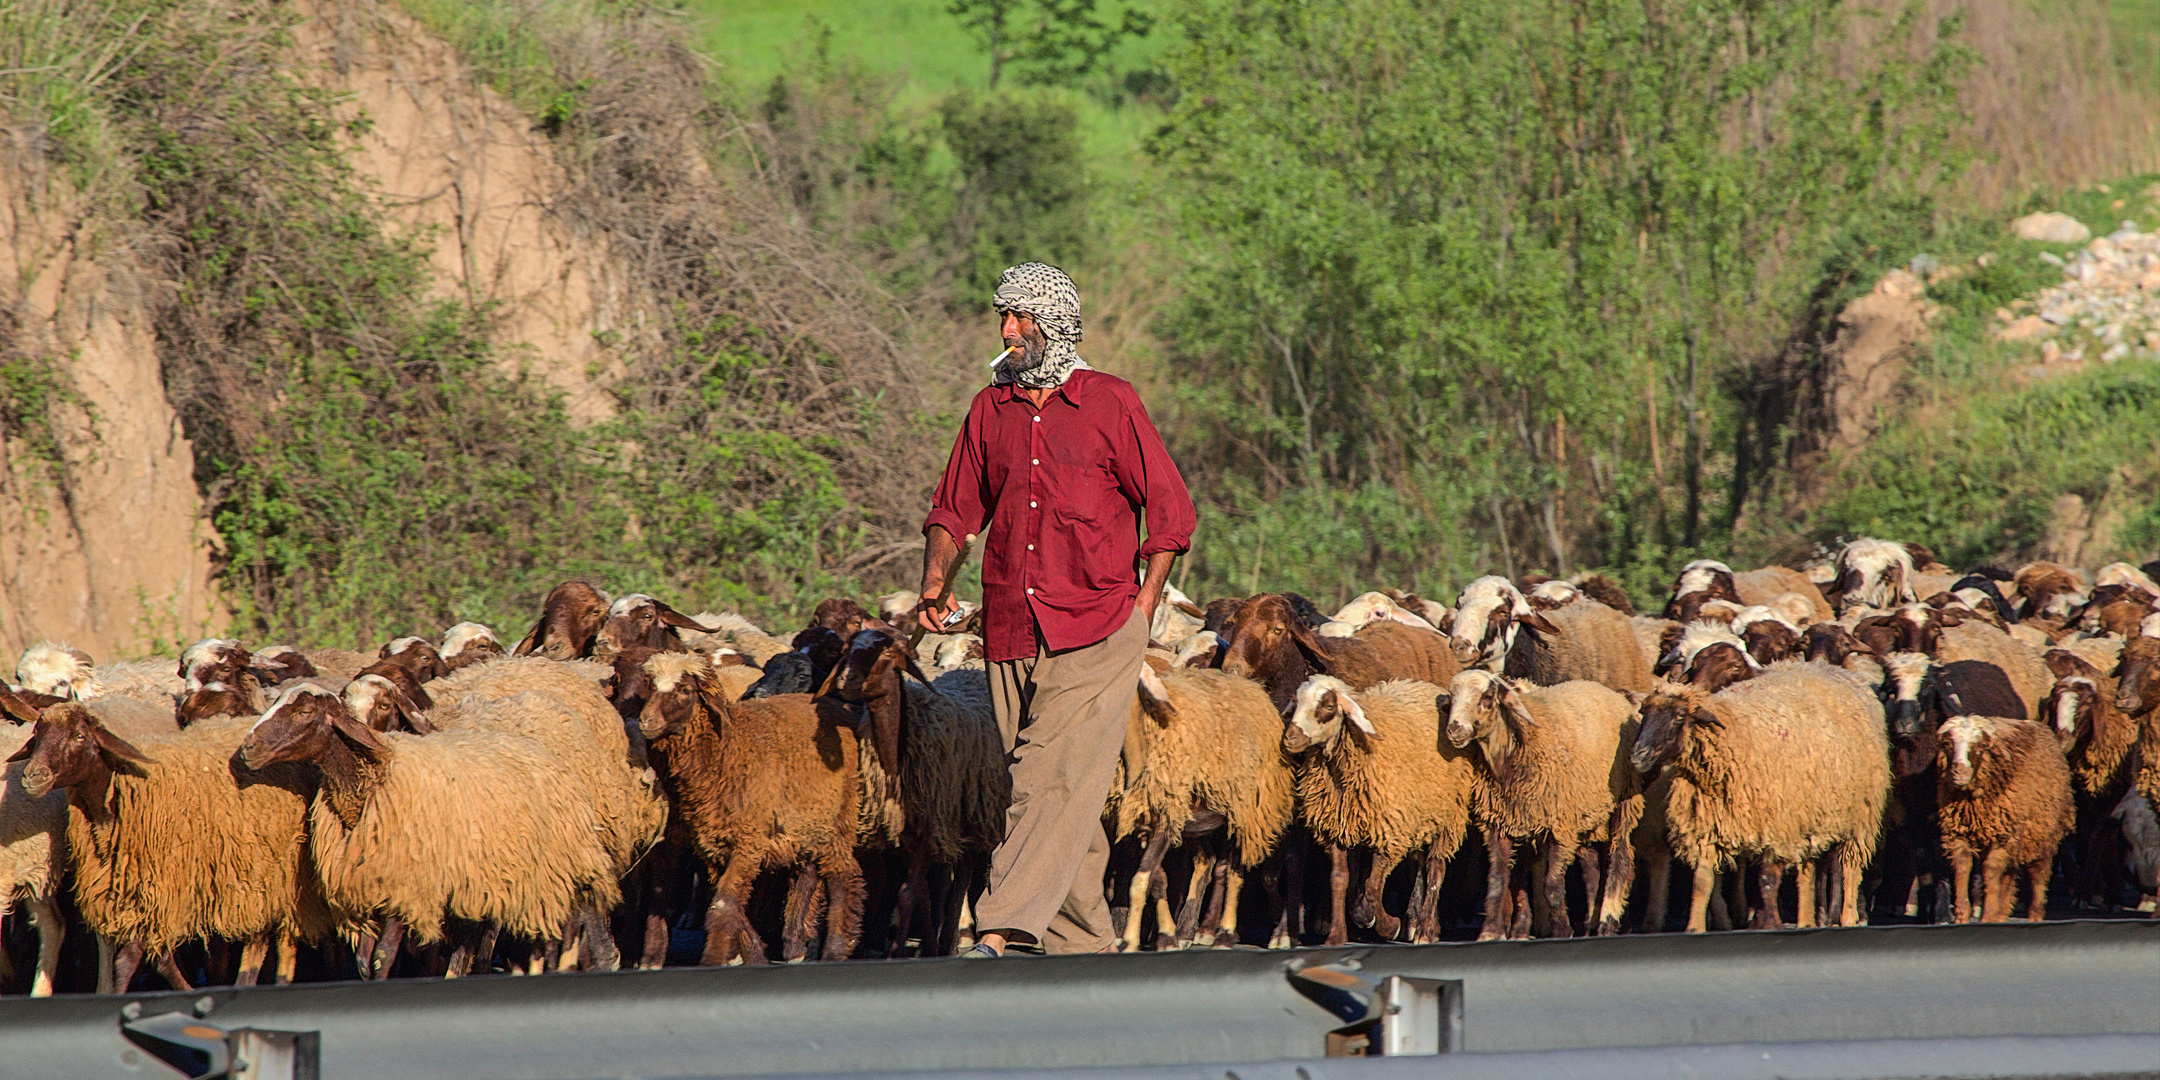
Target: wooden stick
x,y
952,571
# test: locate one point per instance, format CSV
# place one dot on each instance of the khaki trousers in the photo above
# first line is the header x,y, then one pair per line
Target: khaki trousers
x,y
1063,717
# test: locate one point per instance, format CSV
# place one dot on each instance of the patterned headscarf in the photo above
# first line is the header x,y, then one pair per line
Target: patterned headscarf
x,y
1046,293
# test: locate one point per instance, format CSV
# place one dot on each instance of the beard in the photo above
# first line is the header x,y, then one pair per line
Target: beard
x,y
1031,351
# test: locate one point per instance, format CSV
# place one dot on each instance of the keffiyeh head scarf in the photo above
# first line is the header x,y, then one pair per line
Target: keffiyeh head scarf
x,y
1050,297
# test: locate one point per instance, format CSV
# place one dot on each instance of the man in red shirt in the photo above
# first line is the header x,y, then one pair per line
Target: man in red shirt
x,y
1056,461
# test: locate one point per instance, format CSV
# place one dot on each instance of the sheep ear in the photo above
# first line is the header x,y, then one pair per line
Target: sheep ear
x,y
832,678
23,752
1513,703
117,749
533,639
1635,697
1189,608
415,719
357,732
1704,717
908,664
1539,623
1360,728
1447,624
1309,644
1949,618
1155,697
677,619
16,709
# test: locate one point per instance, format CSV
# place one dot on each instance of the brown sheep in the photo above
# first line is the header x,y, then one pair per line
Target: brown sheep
x,y
2045,588
1769,635
766,782
1700,582
570,619
1273,646
2095,736
469,643
638,619
2003,793
1553,773
1606,591
1786,766
417,656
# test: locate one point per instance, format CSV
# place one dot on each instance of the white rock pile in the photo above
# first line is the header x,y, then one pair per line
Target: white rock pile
x,y
2107,308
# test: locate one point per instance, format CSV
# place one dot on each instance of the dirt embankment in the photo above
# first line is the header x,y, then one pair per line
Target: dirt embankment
x,y
450,156
107,547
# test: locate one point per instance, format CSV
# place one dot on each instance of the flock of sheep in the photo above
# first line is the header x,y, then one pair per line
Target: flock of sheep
x,y
1878,731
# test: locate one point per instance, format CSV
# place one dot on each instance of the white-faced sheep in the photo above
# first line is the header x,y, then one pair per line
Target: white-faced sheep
x,y
167,844
1786,766
770,782
1373,772
2004,794
638,619
469,643
944,759
1873,574
58,671
1554,773
33,855
1203,751
1487,615
1380,607
1700,582
383,829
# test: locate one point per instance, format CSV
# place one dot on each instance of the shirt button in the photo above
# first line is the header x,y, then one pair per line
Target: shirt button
x,y
1031,592
1038,419
1035,461
1031,547
1031,506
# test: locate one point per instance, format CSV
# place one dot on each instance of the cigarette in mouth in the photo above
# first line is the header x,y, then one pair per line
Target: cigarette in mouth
x,y
1001,358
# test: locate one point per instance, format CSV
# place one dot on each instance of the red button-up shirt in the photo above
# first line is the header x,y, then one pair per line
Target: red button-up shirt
x,y
1060,490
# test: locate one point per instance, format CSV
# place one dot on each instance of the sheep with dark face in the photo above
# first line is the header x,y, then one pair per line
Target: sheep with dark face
x,y
1700,582
2004,795
1269,643
1769,635
1552,774
803,669
2047,590
638,619
570,620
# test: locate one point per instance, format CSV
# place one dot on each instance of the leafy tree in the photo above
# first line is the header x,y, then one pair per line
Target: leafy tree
x,y
1051,41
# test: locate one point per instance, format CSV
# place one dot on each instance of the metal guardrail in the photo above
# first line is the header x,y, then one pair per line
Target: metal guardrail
x,y
1156,1012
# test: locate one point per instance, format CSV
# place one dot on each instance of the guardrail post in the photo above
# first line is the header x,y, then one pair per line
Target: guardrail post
x,y
1389,1016
201,1050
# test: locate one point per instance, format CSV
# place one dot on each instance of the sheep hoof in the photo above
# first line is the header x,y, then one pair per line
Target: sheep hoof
x,y
793,960
734,961
1203,941
1280,941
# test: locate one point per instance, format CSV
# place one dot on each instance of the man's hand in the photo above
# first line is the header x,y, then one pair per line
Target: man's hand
x,y
939,548
931,615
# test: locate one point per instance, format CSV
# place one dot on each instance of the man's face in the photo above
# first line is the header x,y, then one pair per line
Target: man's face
x,y
1025,338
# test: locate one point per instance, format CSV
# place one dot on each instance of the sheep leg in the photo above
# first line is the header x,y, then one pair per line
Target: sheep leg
x,y
1373,903
1995,886
1587,863
1804,883
601,952
1619,884
1736,908
1657,866
1165,921
217,956
729,937
1960,884
1226,924
1502,850
844,889
911,897
1771,876
1425,926
288,956
51,931
364,952
660,873
252,956
1338,892
386,946
1211,916
1559,854
1188,920
794,929
125,963
170,968
2036,873
1698,918
1158,845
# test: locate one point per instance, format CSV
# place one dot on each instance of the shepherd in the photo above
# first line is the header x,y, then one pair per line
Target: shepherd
x,y
1058,461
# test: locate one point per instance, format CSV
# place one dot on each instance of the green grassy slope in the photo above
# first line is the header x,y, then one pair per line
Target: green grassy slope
x,y
2135,26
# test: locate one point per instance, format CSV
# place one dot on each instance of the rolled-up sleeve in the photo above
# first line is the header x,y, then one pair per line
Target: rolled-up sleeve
x,y
1150,479
961,505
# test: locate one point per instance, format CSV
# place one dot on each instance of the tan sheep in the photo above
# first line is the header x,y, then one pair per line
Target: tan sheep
x,y
383,830
1373,772
1785,766
1587,641
1201,742
2003,793
33,853
167,845
737,633
1553,772
145,680
1770,585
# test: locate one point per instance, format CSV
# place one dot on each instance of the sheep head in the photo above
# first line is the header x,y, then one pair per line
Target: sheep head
x,y
1486,709
469,643
570,619
876,662
840,615
1832,644
1682,643
2134,692
1700,582
215,658
1668,711
1904,676
400,676
1552,595
1959,743
382,705
308,724
274,664
959,650
684,692
1719,665
71,749
202,700
1267,642
2073,709
1769,635
59,671
638,619
1873,573
1322,711
415,655
1487,616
